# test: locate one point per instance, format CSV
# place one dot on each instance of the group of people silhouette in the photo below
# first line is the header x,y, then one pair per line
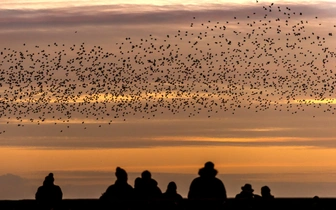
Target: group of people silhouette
x,y
205,191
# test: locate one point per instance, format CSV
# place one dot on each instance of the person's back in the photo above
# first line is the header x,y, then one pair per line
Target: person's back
x,y
171,199
147,191
149,186
207,187
118,191
245,199
266,200
266,193
120,194
49,195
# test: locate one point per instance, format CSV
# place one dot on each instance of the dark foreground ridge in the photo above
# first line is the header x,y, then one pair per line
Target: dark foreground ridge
x,y
95,204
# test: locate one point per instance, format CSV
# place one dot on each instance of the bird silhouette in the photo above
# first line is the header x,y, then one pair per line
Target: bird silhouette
x,y
280,61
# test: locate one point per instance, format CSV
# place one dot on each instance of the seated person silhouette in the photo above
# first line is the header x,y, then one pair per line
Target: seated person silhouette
x,y
245,199
146,190
246,193
137,188
266,200
266,193
171,199
148,186
120,193
207,187
49,196
317,204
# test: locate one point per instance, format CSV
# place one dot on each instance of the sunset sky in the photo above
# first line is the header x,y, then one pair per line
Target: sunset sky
x,y
291,146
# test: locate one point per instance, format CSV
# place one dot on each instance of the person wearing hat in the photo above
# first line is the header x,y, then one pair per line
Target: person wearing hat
x,y
246,193
48,195
120,193
207,187
245,199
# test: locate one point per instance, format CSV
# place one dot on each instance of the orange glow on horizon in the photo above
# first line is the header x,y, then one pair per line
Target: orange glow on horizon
x,y
169,159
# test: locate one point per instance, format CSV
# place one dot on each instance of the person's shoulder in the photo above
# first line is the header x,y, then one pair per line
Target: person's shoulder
x,y
153,182
218,180
197,179
40,188
110,188
129,187
56,188
238,196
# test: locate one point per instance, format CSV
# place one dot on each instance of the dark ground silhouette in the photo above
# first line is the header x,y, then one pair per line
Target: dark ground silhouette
x,y
206,192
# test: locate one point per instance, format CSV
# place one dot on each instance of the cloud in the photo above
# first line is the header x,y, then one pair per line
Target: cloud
x,y
140,15
244,129
104,143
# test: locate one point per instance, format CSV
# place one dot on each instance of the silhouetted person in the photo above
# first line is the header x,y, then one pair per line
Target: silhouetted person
x,y
49,196
246,193
317,204
244,200
207,187
149,187
120,194
266,193
266,200
147,190
137,187
140,201
171,199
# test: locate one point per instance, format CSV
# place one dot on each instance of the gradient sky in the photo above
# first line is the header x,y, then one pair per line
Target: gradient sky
x,y
290,152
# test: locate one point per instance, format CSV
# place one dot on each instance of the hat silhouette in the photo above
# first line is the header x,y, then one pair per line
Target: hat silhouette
x,y
247,187
208,170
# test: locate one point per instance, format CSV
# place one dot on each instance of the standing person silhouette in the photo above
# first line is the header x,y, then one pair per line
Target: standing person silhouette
x,y
206,189
49,196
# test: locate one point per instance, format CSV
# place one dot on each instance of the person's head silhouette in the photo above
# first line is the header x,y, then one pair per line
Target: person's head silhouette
x,y
49,180
247,188
137,183
208,170
146,175
121,174
265,191
172,187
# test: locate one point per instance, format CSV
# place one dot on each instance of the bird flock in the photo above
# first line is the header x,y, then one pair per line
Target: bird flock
x,y
278,61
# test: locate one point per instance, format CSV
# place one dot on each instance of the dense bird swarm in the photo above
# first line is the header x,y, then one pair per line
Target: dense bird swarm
x,y
280,62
